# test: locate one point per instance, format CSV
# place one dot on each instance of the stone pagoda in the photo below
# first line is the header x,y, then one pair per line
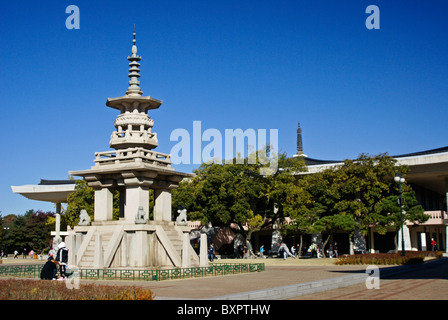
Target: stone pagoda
x,y
132,169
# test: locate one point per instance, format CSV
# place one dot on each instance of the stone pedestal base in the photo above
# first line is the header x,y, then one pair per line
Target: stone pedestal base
x,y
115,244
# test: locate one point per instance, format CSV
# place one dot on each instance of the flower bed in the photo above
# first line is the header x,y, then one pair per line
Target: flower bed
x,y
411,257
27,289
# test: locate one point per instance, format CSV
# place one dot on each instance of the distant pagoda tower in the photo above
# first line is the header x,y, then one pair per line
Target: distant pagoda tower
x,y
299,143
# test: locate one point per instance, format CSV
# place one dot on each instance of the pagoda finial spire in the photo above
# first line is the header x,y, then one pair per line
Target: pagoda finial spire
x,y
134,88
299,140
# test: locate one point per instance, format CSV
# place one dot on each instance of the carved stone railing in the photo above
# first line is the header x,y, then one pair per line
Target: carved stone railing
x,y
133,138
132,155
151,274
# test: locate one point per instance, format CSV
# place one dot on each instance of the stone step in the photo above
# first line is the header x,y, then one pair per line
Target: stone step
x,y
89,254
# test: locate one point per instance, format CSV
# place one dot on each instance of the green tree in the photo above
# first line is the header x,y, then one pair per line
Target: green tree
x,y
222,194
29,231
37,230
239,193
360,194
389,215
81,199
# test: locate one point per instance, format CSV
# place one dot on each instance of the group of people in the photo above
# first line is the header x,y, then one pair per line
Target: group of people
x,y
55,259
4,254
313,251
245,251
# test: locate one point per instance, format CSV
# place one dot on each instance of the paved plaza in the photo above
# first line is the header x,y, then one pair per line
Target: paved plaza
x,y
303,279
425,282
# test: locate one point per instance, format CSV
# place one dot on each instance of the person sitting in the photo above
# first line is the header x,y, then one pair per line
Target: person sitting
x,y
49,269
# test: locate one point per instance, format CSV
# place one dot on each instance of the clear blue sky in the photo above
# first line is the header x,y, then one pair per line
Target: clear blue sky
x,y
230,64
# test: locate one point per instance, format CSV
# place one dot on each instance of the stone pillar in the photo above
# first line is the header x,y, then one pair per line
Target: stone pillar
x,y
446,238
372,241
185,250
445,217
58,225
104,202
70,243
203,259
98,258
446,201
136,196
140,249
413,239
162,205
423,241
58,220
57,238
407,239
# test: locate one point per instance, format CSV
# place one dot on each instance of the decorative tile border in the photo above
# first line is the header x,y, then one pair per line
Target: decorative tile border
x,y
218,269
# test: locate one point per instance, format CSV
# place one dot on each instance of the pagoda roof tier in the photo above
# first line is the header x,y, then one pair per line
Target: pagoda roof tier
x,y
132,174
130,103
129,164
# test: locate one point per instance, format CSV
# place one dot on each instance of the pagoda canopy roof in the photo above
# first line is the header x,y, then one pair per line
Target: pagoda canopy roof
x,y
55,191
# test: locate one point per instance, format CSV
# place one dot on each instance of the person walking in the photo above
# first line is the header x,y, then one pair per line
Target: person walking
x,y
284,251
262,251
335,249
211,252
433,244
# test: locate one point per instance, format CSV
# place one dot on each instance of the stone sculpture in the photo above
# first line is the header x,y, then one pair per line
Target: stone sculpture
x,y
84,218
181,219
140,216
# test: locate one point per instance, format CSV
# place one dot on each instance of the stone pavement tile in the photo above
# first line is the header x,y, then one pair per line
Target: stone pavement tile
x,y
390,289
424,282
209,287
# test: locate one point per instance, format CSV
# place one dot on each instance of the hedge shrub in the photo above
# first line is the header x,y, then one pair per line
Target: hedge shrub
x,y
27,289
411,257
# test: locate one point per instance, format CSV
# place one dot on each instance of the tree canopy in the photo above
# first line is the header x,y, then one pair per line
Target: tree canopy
x,y
31,231
356,195
238,193
359,194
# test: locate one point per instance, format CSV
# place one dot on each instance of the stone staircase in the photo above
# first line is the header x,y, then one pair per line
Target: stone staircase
x,y
175,238
88,255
